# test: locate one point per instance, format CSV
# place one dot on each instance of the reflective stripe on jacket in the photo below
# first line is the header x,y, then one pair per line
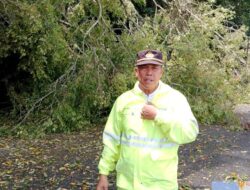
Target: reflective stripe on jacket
x,y
145,152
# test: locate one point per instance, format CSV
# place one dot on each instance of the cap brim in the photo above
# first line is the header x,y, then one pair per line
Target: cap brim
x,y
148,62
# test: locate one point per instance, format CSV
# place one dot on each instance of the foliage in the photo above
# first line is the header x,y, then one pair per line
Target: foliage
x,y
75,57
241,8
204,62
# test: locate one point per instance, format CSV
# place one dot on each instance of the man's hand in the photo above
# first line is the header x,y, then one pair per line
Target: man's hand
x,y
102,183
148,112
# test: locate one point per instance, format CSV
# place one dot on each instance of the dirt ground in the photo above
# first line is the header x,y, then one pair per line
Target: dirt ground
x,y
70,161
218,154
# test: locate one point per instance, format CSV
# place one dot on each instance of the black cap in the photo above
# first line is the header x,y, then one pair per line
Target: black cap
x,y
149,57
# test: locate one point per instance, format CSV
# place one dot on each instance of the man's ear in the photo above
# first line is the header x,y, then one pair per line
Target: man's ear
x,y
136,71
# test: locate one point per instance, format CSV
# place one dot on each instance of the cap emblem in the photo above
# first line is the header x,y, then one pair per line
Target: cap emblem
x,y
149,55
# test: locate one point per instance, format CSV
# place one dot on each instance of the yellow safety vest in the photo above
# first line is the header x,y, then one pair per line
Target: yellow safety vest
x,y
145,152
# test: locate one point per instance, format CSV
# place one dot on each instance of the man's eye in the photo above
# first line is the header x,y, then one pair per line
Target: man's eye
x,y
155,68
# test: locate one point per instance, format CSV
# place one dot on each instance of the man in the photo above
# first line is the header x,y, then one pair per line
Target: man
x,y
144,130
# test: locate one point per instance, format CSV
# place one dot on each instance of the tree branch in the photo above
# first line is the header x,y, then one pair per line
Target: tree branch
x,y
96,22
54,85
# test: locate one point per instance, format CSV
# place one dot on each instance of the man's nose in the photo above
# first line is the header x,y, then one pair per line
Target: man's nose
x,y
149,71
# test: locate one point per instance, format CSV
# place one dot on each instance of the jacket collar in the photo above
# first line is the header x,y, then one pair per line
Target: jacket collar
x,y
138,91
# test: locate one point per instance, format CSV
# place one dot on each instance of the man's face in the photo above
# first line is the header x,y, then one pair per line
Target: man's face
x,y
148,76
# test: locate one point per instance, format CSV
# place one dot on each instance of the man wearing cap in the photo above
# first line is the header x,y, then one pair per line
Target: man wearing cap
x,y
144,130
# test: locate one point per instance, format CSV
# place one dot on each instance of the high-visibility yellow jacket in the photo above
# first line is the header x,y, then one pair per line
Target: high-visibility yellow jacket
x,y
144,152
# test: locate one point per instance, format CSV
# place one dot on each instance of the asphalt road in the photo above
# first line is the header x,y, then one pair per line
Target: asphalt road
x,y
69,161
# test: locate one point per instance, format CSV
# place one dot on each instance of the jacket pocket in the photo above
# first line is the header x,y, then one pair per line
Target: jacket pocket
x,y
160,165
132,120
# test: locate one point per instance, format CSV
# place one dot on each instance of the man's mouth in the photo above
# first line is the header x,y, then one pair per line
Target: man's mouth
x,y
148,80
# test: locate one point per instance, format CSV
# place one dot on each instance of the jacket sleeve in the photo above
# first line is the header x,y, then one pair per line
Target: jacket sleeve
x,y
177,121
111,141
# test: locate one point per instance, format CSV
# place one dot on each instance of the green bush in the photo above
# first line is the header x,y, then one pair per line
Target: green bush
x,y
79,56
